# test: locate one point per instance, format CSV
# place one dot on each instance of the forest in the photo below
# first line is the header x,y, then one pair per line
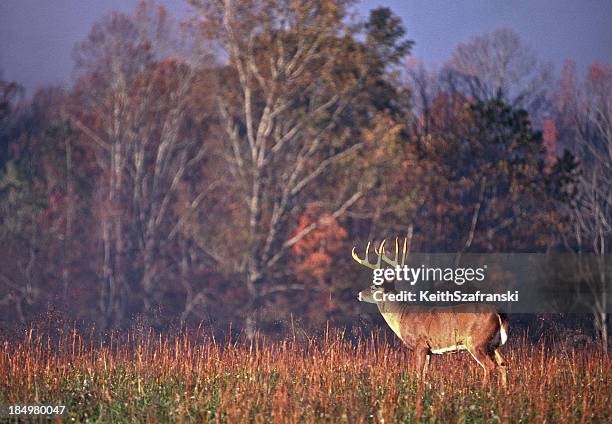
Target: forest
x,y
216,170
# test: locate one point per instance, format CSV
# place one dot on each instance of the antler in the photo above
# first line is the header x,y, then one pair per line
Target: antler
x,y
380,251
365,261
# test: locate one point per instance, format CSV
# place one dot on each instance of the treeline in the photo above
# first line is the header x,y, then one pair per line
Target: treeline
x,y
221,168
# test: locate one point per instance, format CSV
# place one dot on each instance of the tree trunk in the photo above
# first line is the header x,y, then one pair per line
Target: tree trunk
x,y
601,326
250,324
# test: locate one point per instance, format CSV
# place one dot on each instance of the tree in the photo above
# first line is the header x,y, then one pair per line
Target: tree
x,y
498,65
291,102
8,94
474,125
485,175
134,111
32,184
588,111
494,176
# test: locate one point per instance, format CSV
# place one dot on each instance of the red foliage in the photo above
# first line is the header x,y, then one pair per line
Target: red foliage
x,y
313,253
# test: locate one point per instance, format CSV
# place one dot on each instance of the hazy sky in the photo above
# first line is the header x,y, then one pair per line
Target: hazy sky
x,y
37,36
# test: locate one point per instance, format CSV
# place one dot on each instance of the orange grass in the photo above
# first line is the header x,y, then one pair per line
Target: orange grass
x,y
136,377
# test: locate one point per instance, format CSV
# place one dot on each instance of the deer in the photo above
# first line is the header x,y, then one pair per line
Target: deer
x,y
476,328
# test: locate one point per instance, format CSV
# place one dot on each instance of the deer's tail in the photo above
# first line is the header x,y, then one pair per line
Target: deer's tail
x,y
503,327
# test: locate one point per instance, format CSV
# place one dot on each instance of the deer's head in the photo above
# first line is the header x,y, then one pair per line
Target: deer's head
x,y
383,261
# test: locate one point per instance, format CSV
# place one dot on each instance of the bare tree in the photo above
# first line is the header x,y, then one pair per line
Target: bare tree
x,y
499,65
282,124
591,209
136,120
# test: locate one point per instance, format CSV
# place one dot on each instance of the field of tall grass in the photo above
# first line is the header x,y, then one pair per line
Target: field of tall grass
x,y
191,377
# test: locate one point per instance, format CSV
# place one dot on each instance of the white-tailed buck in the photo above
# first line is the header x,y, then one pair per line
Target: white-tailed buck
x,y
477,328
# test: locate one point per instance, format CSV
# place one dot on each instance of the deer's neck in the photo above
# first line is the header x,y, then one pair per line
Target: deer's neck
x,y
391,312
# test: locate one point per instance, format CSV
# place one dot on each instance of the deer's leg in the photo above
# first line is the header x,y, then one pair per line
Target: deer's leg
x,y
422,360
501,365
426,367
485,359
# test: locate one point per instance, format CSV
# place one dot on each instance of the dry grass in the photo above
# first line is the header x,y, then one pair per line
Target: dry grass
x,y
193,378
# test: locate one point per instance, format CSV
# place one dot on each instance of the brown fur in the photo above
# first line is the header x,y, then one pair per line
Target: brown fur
x,y
428,330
